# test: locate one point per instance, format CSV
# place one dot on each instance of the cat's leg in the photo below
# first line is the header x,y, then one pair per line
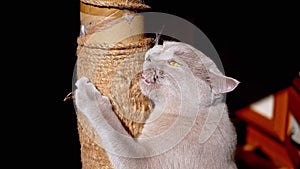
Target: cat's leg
x,y
98,110
96,107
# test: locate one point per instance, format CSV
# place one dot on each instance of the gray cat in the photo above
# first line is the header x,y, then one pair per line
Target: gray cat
x,y
189,127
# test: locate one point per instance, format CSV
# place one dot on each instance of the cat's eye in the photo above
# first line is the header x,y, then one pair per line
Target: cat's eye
x,y
173,63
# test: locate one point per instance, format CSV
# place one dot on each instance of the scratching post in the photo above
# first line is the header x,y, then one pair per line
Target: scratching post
x,y
110,52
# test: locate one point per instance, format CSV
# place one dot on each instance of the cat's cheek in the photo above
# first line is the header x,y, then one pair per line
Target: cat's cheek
x,y
148,91
143,88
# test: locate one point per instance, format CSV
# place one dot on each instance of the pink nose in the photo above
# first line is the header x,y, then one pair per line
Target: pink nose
x,y
151,75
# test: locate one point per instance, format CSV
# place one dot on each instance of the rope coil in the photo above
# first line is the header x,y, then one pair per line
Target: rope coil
x,y
121,5
83,42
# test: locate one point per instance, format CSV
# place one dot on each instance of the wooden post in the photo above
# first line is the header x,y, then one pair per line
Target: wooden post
x,y
110,53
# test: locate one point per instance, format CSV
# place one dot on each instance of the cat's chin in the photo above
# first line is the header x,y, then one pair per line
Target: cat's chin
x,y
150,90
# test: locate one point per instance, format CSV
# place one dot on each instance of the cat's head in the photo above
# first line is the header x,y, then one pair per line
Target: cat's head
x,y
175,67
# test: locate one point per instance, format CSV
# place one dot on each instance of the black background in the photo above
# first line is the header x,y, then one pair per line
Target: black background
x,y
257,43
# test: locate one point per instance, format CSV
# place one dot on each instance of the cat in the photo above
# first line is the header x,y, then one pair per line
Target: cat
x,y
189,127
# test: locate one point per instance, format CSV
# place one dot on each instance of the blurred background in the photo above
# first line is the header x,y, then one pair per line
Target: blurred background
x,y
257,43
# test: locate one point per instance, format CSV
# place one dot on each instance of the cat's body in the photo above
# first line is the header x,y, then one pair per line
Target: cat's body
x,y
189,126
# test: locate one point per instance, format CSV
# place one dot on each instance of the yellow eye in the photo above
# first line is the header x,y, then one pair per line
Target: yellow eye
x,y
173,63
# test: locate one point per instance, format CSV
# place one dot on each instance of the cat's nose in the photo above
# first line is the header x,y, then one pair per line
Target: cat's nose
x,y
157,74
152,75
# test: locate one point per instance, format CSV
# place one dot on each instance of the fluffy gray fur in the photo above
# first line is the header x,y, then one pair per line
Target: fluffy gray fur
x,y
189,127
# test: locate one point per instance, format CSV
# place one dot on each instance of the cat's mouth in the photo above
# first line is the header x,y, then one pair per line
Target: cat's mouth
x,y
147,81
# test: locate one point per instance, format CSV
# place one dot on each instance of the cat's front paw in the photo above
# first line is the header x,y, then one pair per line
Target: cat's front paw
x,y
88,98
86,94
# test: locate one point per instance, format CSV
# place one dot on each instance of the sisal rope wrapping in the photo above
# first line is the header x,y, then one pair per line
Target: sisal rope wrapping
x,y
115,73
132,5
114,68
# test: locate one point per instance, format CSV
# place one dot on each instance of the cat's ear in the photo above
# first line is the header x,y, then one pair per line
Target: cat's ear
x,y
221,83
